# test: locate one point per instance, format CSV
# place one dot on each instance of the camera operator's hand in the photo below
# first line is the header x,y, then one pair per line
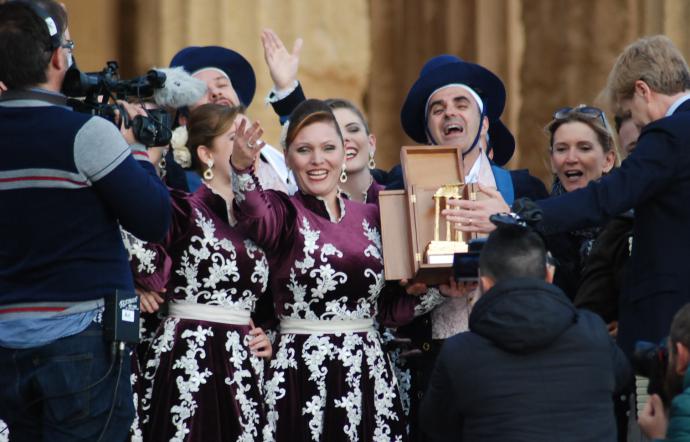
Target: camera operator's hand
x,y
132,111
613,329
473,216
247,145
282,64
653,420
150,301
456,289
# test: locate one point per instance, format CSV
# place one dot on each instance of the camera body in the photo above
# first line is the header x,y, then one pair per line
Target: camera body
x,y
466,265
91,93
651,361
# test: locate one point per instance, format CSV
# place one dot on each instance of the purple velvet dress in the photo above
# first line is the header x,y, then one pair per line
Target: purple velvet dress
x,y
330,379
200,381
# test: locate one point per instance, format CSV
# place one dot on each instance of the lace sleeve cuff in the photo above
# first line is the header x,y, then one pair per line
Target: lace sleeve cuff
x,y
244,181
428,301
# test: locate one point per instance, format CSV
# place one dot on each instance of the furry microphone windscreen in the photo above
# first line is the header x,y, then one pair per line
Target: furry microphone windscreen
x,y
180,89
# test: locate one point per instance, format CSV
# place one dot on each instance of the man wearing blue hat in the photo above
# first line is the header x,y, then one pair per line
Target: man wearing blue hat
x,y
231,82
457,103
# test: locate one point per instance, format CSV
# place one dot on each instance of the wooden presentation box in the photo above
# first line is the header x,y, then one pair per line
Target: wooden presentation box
x,y
408,216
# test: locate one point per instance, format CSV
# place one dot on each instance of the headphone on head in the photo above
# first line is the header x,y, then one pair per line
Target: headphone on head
x,y
52,27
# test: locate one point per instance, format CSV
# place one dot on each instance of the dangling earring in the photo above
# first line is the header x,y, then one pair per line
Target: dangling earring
x,y
287,180
372,163
343,175
208,173
162,167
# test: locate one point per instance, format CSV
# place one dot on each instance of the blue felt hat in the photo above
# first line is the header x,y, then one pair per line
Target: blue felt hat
x,y
446,69
238,69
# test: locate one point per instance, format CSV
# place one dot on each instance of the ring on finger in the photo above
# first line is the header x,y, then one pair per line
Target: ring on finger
x,y
250,145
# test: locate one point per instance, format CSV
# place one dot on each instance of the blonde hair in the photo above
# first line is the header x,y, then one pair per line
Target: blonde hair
x,y
654,60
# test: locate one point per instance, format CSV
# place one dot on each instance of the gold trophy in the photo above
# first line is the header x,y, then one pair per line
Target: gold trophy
x,y
441,251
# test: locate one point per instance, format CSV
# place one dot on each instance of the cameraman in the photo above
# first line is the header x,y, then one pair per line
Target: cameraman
x,y
532,367
67,181
653,420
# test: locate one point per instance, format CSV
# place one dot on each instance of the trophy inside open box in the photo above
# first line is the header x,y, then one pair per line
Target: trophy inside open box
x,y
441,251
418,242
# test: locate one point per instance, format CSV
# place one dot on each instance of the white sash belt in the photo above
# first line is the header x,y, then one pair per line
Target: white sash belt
x,y
209,312
316,326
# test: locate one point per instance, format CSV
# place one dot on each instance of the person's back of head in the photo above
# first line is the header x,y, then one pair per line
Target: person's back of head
x,y
26,43
654,60
512,252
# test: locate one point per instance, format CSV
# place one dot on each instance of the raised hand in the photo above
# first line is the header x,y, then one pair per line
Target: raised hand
x,y
282,64
247,145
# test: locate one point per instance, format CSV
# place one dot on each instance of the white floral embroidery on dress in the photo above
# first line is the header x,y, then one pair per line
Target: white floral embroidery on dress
x,y
194,379
314,352
260,273
384,396
318,353
162,344
137,248
249,407
352,401
325,276
223,268
284,359
135,429
400,369
241,184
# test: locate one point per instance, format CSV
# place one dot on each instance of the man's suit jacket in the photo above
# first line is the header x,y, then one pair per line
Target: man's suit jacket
x,y
655,181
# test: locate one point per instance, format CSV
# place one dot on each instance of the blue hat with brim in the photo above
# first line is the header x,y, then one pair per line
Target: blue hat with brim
x,y
237,68
447,69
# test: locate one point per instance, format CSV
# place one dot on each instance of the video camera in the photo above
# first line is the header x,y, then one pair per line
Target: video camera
x,y
466,265
92,92
651,361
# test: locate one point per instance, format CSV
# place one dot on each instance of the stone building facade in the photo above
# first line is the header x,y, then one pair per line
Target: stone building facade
x,y
550,53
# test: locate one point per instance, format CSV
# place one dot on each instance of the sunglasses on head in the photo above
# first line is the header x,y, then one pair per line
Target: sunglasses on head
x,y
582,110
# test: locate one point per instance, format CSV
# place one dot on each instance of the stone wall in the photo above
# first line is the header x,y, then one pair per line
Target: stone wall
x,y
550,53
144,33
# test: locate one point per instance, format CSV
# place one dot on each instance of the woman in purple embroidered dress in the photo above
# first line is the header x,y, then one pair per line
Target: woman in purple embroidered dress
x,y
203,375
330,380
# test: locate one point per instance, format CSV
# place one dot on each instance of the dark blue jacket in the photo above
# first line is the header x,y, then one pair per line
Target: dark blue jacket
x,y
68,181
532,368
655,181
